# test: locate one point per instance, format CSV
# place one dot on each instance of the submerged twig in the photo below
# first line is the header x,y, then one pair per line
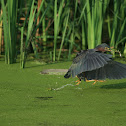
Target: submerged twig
x,y
56,89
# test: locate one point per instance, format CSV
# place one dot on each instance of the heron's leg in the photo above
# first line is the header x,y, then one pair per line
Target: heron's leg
x,y
97,81
94,82
88,80
78,81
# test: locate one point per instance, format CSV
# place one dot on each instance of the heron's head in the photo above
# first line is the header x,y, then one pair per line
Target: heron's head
x,y
103,48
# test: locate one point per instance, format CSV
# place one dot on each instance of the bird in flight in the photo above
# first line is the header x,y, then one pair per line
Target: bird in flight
x,y
95,65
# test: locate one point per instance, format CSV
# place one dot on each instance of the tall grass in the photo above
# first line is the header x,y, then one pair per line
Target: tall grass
x,y
73,32
44,30
65,24
6,34
22,60
62,25
1,24
95,16
57,17
10,31
32,26
116,26
30,30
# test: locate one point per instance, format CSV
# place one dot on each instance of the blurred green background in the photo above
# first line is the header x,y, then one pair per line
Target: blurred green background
x,y
55,30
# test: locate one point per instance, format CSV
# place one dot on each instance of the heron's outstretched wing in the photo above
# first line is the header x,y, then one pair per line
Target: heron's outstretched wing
x,y
87,61
112,70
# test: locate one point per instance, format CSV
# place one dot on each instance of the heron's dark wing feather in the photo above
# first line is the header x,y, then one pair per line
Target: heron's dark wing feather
x,y
88,61
112,70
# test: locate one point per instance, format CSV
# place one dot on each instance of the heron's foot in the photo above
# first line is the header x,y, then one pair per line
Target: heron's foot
x,y
97,81
78,82
94,81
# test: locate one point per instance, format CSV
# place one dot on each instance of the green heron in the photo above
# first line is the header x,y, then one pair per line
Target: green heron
x,y
95,65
